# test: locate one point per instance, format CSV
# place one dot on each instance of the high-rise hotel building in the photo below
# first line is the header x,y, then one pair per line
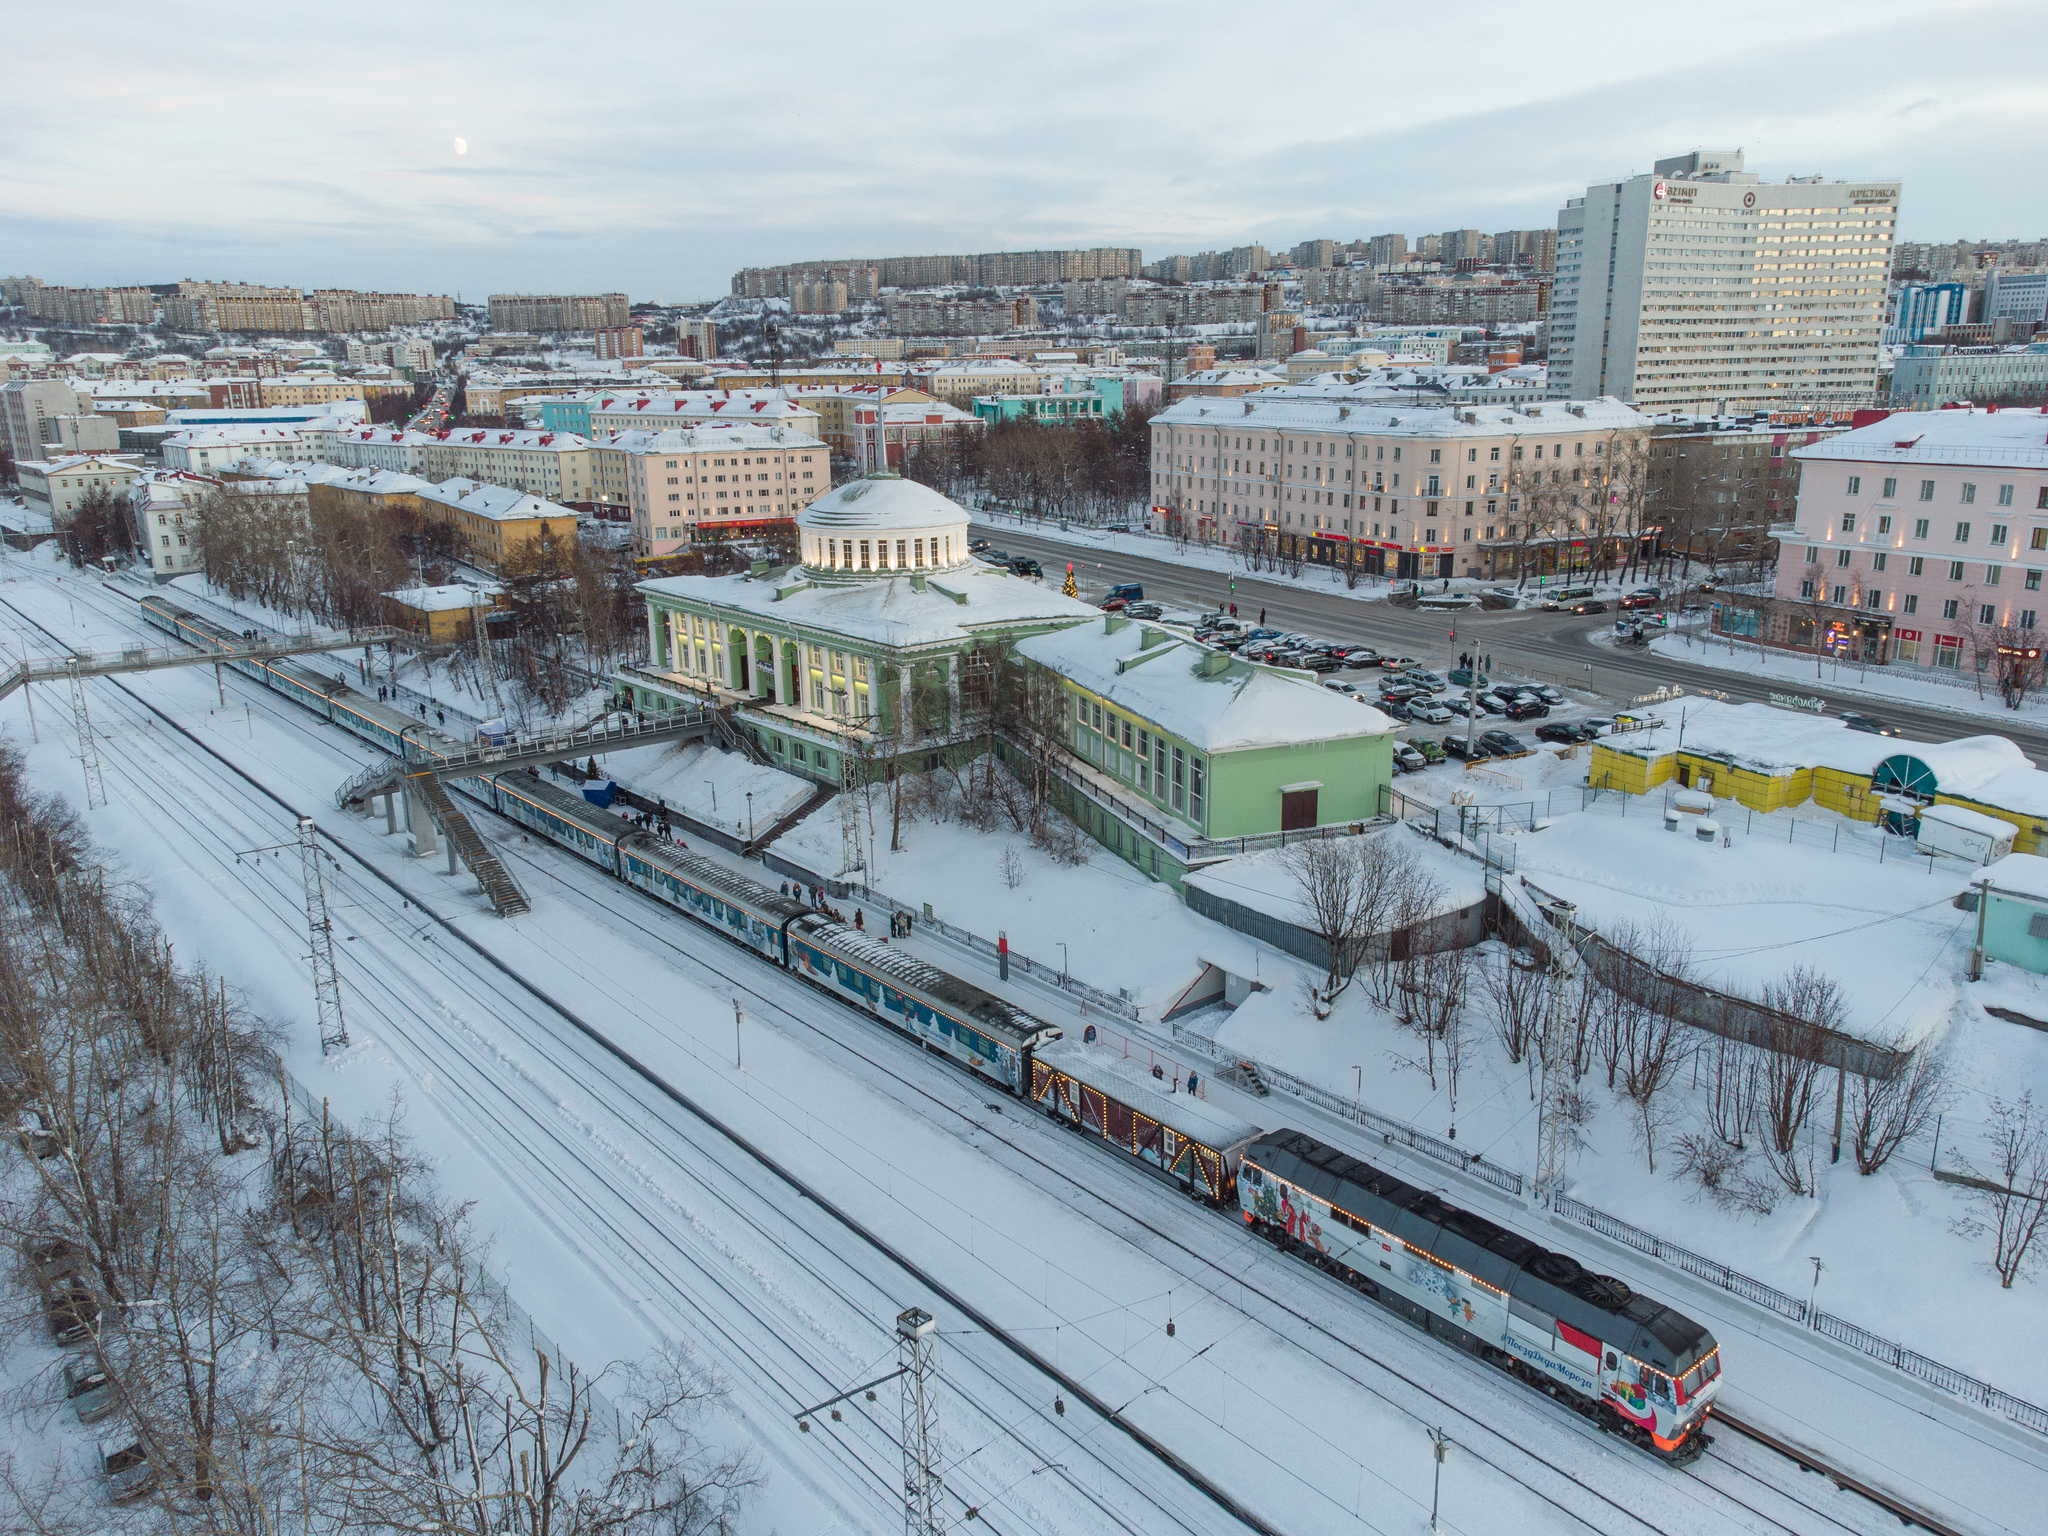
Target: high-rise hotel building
x,y
1699,288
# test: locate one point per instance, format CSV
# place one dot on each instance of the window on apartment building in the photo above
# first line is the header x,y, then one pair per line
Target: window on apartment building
x,y
1855,485
1991,575
1848,522
1962,533
1873,598
1840,595
1949,607
1999,533
1927,490
1877,562
1911,603
1806,589
2005,495
1955,570
1986,614
1919,527
1969,492
1436,455
1884,525
1493,454
2026,618
1812,555
1891,488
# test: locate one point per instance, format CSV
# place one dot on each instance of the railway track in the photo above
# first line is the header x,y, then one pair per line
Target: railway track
x,y
868,1052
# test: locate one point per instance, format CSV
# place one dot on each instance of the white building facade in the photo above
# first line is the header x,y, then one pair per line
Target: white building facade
x,y
1698,287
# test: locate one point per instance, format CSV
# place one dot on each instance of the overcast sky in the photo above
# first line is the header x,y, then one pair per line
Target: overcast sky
x,y
656,149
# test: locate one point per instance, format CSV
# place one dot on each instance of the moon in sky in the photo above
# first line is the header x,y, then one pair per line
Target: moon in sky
x,y
462,146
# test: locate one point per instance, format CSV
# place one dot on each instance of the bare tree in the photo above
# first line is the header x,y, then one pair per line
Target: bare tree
x,y
1887,1112
2013,1203
1517,991
1733,1081
1331,882
1806,1009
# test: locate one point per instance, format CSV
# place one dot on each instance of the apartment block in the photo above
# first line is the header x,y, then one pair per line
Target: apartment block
x,y
26,407
697,338
1397,490
557,312
56,486
90,306
923,315
717,482
616,341
1920,540
1698,287
988,269
217,306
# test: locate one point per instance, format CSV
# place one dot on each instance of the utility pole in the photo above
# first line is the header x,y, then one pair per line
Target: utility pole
x,y
924,1489
88,749
1440,1446
326,985
1553,1130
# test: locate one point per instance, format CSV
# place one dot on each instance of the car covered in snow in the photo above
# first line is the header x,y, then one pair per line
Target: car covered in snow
x,y
1429,749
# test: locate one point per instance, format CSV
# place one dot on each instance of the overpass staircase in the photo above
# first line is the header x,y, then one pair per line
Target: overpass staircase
x,y
424,786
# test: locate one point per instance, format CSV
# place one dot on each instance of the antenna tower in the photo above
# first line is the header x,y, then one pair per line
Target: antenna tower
x,y
326,985
88,748
924,1488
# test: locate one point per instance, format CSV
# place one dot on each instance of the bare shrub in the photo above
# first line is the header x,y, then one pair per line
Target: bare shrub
x,y
1722,1173
1011,867
1805,1008
1733,1082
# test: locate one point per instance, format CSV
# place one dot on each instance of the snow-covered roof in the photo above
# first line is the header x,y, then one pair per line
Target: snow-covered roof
x,y
1266,881
230,436
722,435
381,482
1967,820
1210,377
891,612
2023,874
1298,408
2003,439
442,599
73,463
741,405
883,504
1242,705
500,437
497,502
1988,769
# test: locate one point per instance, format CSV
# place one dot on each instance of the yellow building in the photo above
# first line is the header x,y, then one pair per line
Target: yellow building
x,y
440,615
1770,759
493,522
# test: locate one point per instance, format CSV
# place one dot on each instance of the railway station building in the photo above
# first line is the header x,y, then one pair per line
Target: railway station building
x,y
886,643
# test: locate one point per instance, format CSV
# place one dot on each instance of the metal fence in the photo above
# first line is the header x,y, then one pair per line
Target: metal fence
x,y
603,1411
1918,1366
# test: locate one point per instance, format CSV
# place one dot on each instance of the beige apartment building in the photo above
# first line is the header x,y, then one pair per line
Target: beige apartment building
x,y
557,465
959,383
1404,491
56,486
711,483
558,311
645,412
306,389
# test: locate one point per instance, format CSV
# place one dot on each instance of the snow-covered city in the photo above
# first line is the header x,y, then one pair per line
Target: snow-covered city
x,y
657,884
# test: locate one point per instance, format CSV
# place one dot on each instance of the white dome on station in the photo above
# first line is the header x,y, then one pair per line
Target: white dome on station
x,y
882,525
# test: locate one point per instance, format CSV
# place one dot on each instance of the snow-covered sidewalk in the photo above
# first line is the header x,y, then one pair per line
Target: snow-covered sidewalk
x,y
1902,684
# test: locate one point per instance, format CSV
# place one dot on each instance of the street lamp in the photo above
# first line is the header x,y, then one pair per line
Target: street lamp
x,y
750,815
1063,962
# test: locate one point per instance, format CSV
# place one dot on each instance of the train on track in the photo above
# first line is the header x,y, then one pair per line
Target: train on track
x,y
1636,1367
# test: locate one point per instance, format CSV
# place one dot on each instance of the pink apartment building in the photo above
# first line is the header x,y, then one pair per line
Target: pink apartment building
x,y
1920,539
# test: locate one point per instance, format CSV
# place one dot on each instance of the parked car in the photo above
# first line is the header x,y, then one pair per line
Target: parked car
x,y
1506,743
70,1309
1422,677
1458,704
89,1391
1117,528
1473,751
1347,689
1407,759
976,545
1267,634
1596,726
1394,709
1587,605
1359,657
1319,661
127,1469
1229,642
1493,704
1527,707
1558,730
1129,591
1024,565
1398,663
1868,723
1461,677
1547,694
1144,610
1397,693
1426,747
1429,712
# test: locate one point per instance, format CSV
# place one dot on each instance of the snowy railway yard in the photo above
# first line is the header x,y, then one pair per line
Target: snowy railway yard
x,y
1113,1356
